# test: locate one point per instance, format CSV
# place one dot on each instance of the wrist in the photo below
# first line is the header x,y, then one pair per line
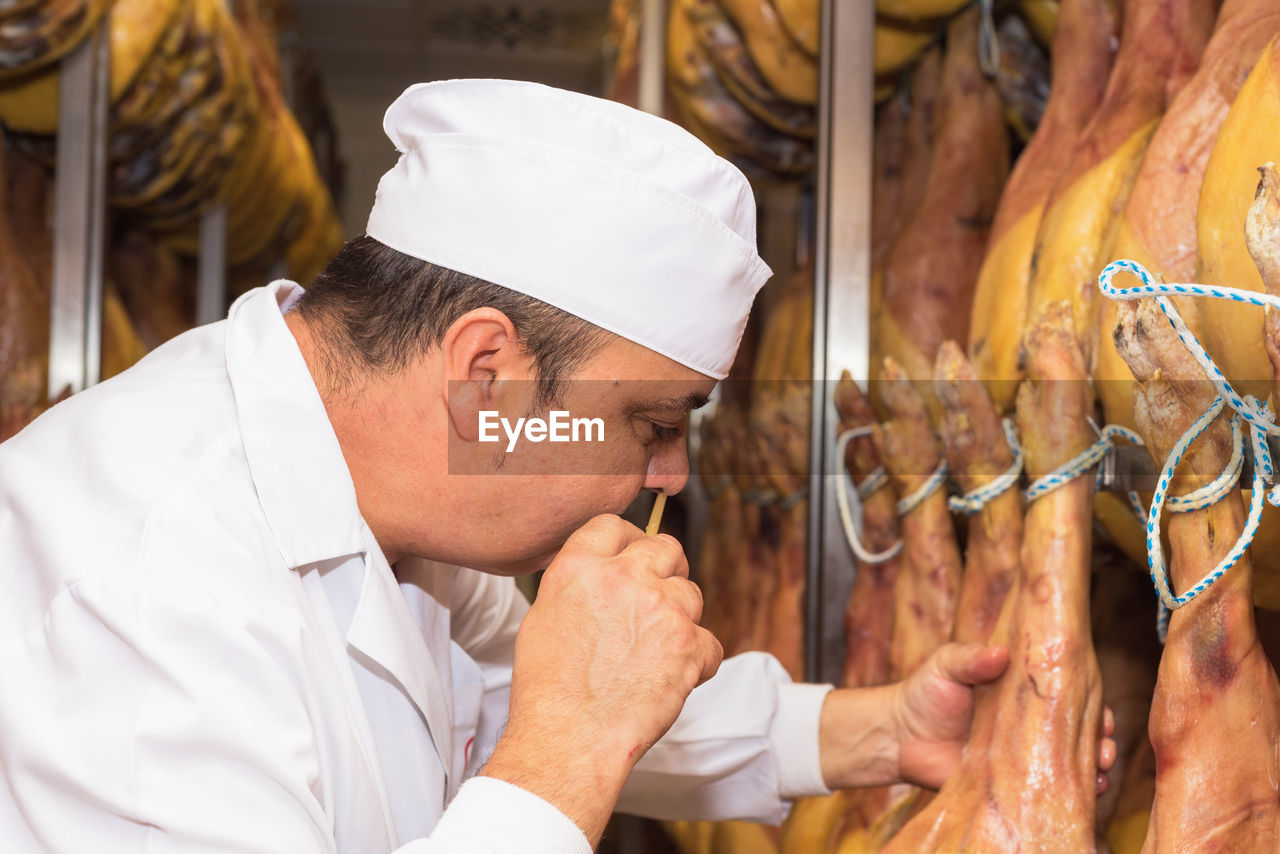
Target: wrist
x,y
580,776
858,737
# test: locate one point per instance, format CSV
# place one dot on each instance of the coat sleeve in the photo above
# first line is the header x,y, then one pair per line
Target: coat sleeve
x,y
745,744
485,613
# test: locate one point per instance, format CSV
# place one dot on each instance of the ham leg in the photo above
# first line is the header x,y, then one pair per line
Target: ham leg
x,y
1027,778
926,584
977,452
1215,718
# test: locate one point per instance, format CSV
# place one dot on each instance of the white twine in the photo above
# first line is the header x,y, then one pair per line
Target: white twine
x,y
850,521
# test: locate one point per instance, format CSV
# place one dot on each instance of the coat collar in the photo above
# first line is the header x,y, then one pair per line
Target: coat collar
x,y
309,500
297,465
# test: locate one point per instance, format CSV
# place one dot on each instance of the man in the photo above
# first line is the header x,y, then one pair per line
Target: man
x,y
231,618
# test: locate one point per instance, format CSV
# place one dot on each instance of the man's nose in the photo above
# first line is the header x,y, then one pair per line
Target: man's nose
x,y
668,470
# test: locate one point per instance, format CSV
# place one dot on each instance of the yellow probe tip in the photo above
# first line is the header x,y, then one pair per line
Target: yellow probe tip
x,y
655,518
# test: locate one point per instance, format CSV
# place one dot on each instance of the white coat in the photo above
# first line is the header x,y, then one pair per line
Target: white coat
x,y
203,648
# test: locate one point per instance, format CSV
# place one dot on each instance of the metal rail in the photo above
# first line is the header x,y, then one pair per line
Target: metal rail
x,y
80,210
841,306
211,268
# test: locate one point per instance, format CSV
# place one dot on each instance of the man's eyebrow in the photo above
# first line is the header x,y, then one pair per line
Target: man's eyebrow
x,y
679,406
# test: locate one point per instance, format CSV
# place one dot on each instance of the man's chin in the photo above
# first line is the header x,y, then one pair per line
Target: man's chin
x,y
522,566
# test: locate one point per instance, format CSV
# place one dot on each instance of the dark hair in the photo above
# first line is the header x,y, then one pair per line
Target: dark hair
x,y
377,309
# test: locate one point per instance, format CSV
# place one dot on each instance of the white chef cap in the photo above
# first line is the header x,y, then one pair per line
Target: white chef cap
x,y
613,215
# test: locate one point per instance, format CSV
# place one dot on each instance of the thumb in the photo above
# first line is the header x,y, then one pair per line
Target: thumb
x,y
971,663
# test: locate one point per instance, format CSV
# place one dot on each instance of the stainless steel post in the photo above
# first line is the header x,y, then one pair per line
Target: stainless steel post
x,y
211,269
841,305
653,45
80,208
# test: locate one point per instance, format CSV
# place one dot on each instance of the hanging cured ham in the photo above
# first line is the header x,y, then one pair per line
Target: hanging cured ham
x,y
1026,779
1158,225
1160,46
1216,712
931,270
929,575
977,452
1083,46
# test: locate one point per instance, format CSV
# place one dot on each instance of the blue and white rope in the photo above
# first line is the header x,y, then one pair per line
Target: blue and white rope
x,y
1081,463
844,503
873,483
929,487
975,499
1259,417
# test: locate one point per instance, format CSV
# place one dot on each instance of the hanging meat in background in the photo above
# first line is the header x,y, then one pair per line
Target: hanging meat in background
x,y
905,174
29,104
932,267
977,452
1021,77
34,35
779,424
1027,778
1160,46
754,465
711,112
26,270
1158,225
1124,639
862,819
1042,16
197,120
1083,46
157,291
929,576
789,66
24,322
869,612
1215,718
733,65
1246,140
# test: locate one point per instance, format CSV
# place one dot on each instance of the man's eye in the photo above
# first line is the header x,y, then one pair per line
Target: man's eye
x,y
667,434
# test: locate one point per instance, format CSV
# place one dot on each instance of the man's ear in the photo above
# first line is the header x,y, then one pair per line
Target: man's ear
x,y
479,350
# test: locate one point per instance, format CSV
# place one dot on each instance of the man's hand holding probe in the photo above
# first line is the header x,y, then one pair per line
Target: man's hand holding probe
x,y
604,661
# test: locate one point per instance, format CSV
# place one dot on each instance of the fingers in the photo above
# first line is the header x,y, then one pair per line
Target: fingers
x,y
604,535
1106,749
1106,754
971,663
663,555
711,653
687,596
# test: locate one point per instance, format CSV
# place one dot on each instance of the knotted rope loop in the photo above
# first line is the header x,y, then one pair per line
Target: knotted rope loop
x,y
929,487
1257,415
975,499
1081,462
844,503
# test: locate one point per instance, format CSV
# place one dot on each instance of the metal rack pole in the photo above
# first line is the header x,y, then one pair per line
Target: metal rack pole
x,y
80,190
653,44
841,306
211,268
